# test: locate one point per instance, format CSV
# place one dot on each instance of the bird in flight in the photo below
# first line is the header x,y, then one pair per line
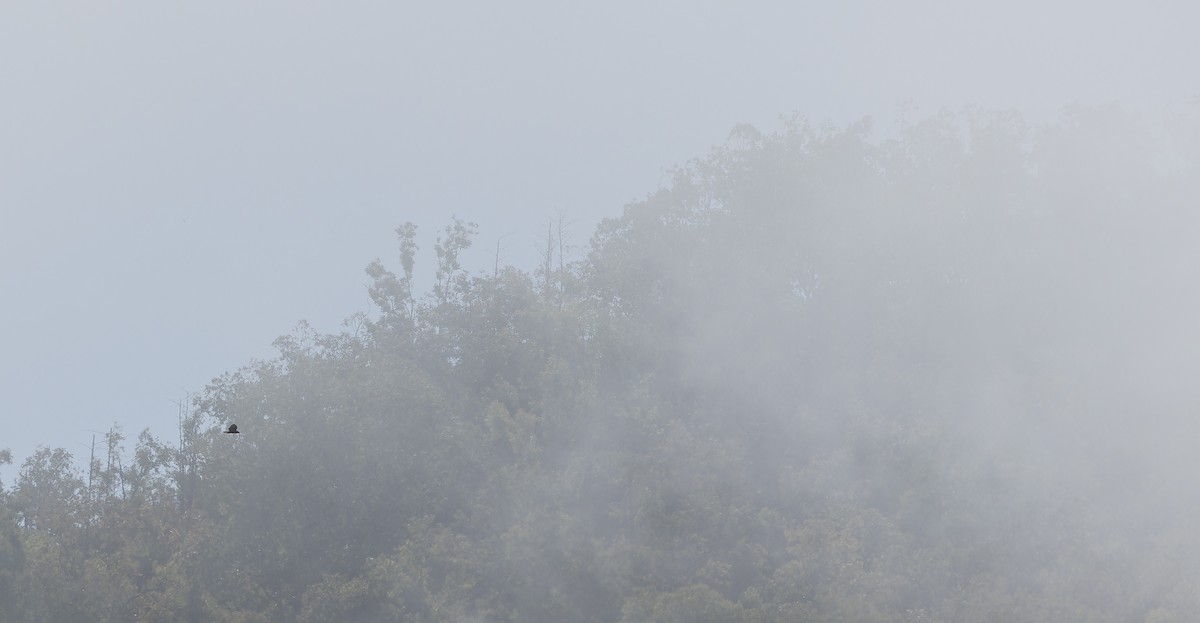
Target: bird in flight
x,y
232,430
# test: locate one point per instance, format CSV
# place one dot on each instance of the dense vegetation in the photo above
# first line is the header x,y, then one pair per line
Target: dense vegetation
x,y
819,377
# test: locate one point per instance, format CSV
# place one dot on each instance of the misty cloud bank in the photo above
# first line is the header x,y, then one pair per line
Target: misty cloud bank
x,y
820,376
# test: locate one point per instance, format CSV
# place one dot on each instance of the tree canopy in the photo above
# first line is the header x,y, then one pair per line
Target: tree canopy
x,y
944,376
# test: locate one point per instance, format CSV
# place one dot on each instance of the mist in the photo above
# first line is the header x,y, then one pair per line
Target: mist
x,y
820,375
617,314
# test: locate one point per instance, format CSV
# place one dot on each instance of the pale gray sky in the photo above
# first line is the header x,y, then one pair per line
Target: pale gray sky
x,y
180,184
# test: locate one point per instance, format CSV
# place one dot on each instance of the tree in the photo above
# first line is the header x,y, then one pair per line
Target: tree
x,y
817,377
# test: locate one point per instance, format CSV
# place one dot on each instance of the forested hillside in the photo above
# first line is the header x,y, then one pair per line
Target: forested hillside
x,y
819,377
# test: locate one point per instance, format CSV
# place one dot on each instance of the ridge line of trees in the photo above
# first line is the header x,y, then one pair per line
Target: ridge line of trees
x,y
815,378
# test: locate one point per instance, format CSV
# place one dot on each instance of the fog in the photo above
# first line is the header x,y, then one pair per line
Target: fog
x,y
160,162
676,312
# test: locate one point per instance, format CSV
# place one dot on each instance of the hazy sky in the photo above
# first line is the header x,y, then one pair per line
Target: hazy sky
x,y
181,184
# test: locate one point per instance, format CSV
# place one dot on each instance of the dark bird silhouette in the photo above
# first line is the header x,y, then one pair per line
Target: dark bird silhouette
x,y
232,430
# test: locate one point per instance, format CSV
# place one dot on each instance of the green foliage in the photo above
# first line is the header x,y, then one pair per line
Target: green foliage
x,y
816,378
12,563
